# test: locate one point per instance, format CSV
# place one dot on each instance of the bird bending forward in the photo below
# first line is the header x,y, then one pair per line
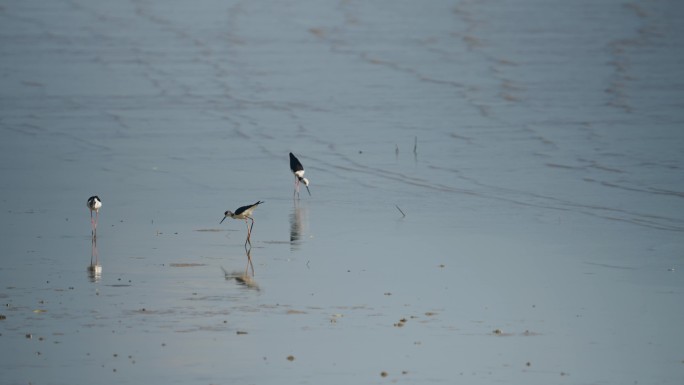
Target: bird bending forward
x,y
298,170
244,212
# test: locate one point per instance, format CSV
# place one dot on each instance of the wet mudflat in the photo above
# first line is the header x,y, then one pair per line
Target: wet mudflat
x,y
496,192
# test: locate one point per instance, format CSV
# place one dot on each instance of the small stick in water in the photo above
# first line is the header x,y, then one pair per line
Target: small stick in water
x,y
415,145
402,213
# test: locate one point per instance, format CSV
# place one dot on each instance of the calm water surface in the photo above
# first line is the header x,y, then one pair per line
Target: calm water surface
x,y
535,148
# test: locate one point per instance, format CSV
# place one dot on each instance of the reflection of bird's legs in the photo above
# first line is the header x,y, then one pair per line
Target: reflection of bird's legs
x,y
93,251
249,262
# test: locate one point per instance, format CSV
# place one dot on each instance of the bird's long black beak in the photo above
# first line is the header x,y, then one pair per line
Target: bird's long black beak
x,y
307,189
224,218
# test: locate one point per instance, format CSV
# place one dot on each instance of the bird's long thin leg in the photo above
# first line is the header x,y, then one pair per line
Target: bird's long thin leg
x,y
247,240
249,232
92,250
250,229
97,215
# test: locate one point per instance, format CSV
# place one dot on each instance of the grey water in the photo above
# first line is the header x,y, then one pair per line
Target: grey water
x,y
496,192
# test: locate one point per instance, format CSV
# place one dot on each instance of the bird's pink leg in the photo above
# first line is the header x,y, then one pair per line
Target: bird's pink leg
x,y
249,232
93,225
92,250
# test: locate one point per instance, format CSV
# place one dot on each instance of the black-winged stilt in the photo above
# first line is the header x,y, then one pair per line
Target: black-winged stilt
x,y
94,204
244,212
298,171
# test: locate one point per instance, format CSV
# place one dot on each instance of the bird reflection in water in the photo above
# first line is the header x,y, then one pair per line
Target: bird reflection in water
x,y
95,273
249,261
242,278
298,225
94,269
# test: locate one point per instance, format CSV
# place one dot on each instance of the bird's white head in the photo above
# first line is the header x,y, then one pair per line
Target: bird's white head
x,y
226,215
306,184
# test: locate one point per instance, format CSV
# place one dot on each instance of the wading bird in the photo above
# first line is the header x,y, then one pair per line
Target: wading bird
x,y
298,171
244,212
94,204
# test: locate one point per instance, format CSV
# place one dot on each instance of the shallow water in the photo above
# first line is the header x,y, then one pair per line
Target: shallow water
x,y
534,148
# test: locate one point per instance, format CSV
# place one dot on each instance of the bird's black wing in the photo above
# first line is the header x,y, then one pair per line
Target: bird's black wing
x,y
242,209
92,200
295,164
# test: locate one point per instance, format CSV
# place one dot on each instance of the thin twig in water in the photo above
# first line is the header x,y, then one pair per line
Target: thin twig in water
x,y
415,145
402,213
